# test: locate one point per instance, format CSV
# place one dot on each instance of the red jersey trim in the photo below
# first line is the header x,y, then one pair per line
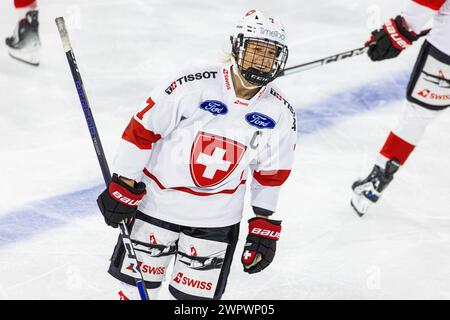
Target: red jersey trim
x,y
272,178
142,138
190,191
432,4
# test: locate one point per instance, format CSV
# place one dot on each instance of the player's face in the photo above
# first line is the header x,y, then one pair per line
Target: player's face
x,y
259,55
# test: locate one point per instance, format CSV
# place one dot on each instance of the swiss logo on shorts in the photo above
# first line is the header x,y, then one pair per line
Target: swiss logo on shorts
x,y
214,158
181,279
145,268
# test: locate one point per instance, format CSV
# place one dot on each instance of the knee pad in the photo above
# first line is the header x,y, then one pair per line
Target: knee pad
x,y
203,262
429,85
155,244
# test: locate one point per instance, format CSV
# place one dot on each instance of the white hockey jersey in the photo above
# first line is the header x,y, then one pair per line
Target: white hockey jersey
x,y
418,12
195,142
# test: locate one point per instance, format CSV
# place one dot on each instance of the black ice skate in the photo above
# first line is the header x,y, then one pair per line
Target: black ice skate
x,y
24,44
366,192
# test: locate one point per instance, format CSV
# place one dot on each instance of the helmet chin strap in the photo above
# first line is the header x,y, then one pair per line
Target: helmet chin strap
x,y
240,77
249,87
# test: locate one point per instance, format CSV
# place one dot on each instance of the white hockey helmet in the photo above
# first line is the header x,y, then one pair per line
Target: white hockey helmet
x,y
265,32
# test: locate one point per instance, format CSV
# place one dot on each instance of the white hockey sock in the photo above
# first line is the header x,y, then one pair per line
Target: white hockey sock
x,y
413,122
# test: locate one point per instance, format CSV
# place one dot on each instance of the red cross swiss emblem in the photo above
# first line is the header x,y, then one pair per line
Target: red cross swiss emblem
x,y
214,158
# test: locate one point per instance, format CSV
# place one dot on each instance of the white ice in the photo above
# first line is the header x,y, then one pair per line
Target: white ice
x,y
400,250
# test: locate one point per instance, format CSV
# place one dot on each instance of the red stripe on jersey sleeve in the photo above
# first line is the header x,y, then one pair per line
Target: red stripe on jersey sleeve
x,y
432,4
142,138
272,178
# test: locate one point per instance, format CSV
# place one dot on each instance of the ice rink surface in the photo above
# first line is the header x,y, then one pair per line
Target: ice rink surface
x,y
53,241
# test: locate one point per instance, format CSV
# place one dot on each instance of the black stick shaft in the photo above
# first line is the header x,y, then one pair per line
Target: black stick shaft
x,y
89,117
131,254
333,58
324,61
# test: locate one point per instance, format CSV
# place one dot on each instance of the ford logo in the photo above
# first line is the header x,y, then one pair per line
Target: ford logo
x,y
259,120
214,106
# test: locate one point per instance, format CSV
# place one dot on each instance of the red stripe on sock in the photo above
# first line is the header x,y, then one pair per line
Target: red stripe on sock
x,y
24,3
397,148
432,4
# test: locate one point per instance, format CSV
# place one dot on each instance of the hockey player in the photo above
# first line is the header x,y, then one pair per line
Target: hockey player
x,y
24,44
182,166
428,92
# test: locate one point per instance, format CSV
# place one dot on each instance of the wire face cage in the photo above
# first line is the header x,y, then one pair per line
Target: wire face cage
x,y
259,60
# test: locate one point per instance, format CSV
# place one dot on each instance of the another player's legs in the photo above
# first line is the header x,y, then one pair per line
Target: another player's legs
x,y
24,44
428,94
203,262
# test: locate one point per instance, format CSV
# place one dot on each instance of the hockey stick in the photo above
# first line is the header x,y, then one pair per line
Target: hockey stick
x,y
333,58
324,61
140,284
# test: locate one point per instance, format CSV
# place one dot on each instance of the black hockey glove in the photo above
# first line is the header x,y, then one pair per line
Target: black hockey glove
x,y
261,244
391,40
119,201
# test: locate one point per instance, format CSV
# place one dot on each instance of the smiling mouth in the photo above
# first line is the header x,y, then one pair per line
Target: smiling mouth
x,y
260,67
